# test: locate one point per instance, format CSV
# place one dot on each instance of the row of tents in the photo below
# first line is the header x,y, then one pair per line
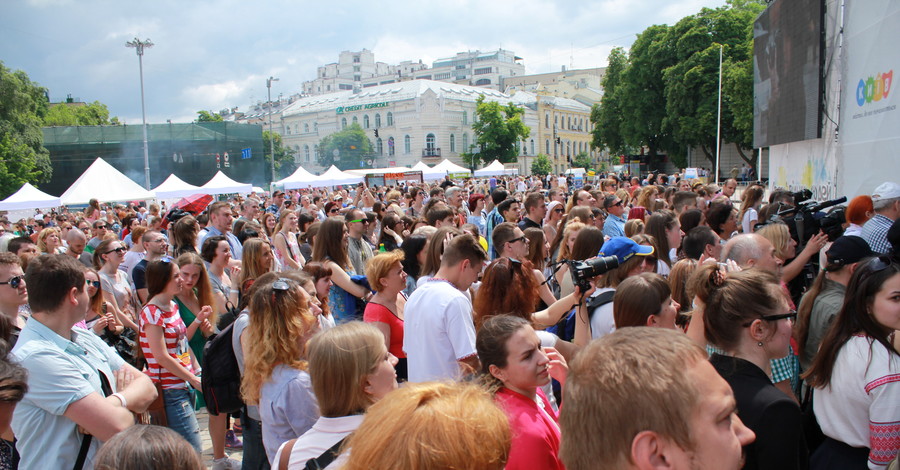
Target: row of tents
x,y
103,182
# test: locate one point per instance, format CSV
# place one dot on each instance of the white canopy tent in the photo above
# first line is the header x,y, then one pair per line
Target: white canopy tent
x,y
174,187
29,197
429,173
381,171
335,177
576,171
104,183
495,169
221,184
447,166
300,178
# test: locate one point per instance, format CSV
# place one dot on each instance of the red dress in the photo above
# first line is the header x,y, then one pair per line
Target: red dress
x,y
535,431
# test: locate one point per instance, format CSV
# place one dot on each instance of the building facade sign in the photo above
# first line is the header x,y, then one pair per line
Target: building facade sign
x,y
360,107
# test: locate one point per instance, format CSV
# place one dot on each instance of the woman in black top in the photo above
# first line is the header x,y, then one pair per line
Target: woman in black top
x,y
748,318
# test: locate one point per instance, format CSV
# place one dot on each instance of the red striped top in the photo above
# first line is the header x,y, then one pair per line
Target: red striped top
x,y
175,335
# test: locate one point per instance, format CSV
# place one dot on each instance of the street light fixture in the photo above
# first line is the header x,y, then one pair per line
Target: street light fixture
x,y
139,48
271,136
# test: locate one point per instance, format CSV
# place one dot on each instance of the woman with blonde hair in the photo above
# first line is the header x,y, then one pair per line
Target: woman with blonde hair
x,y
350,369
116,289
257,259
409,429
786,248
385,310
275,362
566,245
49,242
634,227
287,249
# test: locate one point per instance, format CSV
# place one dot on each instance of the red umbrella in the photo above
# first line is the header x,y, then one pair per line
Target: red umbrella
x,y
195,203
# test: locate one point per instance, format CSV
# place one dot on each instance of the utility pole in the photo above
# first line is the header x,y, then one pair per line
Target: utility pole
x,y
271,132
139,48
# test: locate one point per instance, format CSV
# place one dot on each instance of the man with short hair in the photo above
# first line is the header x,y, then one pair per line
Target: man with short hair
x,y
155,247
98,233
75,242
886,203
357,249
440,216
494,218
249,213
510,242
535,210
615,221
509,210
648,398
277,203
440,314
702,241
65,404
729,187
220,224
454,200
13,293
584,198
557,194
24,248
683,201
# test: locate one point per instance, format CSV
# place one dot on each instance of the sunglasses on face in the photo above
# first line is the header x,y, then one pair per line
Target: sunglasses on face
x,y
90,283
520,239
14,282
100,227
558,211
363,221
332,211
118,250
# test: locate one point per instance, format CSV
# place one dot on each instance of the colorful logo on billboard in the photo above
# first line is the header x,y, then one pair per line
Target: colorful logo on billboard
x,y
874,88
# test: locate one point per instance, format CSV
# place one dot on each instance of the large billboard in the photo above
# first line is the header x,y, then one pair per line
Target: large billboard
x,y
787,72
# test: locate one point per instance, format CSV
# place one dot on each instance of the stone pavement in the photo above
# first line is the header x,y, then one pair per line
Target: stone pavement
x,y
203,420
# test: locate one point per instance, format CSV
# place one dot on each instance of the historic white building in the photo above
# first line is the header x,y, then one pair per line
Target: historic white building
x,y
418,120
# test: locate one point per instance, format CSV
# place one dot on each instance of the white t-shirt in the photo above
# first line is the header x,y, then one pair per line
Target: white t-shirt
x,y
602,321
439,331
750,216
325,433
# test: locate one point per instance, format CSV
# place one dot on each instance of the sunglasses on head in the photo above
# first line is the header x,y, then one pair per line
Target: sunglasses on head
x,y
791,315
14,282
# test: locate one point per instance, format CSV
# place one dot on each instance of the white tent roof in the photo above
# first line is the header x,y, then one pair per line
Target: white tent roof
x,y
300,178
335,177
450,167
381,171
173,187
576,171
29,197
494,169
103,182
429,173
221,184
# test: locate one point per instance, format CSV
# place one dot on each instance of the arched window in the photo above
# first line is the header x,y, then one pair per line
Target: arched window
x,y
366,121
465,119
465,142
288,130
452,143
316,127
390,118
407,144
377,120
306,153
546,120
355,120
429,141
483,81
306,128
379,146
532,146
343,123
548,146
570,122
390,144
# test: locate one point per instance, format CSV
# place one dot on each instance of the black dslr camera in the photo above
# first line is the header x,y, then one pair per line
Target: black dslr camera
x,y
584,271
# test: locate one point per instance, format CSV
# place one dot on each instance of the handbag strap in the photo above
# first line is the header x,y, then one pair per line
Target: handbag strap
x,y
86,441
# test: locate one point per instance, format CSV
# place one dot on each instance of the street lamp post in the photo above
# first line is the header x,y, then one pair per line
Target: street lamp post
x,y
271,136
139,48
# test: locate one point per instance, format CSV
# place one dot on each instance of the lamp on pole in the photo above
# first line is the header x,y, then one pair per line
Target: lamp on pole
x,y
139,48
271,136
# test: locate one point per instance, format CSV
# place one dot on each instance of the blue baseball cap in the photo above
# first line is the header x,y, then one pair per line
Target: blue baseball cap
x,y
624,248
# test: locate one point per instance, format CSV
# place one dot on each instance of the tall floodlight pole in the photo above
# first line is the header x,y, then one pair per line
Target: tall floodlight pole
x,y
719,115
139,48
271,135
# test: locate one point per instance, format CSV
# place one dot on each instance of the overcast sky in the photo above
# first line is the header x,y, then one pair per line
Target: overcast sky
x,y
218,54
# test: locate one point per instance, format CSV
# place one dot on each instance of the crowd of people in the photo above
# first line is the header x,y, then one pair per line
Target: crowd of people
x,y
512,322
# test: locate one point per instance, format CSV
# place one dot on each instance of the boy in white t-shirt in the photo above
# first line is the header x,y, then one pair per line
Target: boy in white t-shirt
x,y
439,336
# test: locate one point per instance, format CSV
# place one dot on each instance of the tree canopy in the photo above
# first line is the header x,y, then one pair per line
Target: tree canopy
x,y
345,149
23,158
208,116
284,157
70,114
497,130
541,165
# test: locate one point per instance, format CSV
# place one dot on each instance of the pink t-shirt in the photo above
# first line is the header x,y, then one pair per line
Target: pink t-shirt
x,y
377,312
535,430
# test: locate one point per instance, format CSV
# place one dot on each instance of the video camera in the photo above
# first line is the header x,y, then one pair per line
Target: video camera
x,y
803,224
584,271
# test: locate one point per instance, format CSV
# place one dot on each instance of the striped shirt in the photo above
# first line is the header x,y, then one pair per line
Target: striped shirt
x,y
175,335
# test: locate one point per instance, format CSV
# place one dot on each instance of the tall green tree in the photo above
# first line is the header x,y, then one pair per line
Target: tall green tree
x,y
583,160
284,156
208,116
346,148
607,115
497,130
541,165
90,114
23,158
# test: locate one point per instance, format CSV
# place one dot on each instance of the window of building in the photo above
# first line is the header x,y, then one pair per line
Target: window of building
x,y
379,146
546,120
356,59
465,118
356,68
288,129
547,151
355,120
366,121
344,86
343,123
407,144
306,153
429,142
452,143
390,119
377,121
306,128
390,146
316,152
465,142
316,127
532,146
483,82
483,71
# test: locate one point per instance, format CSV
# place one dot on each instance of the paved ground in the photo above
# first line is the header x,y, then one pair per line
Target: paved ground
x,y
203,419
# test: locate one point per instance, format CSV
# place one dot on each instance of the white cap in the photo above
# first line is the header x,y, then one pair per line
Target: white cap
x,y
885,191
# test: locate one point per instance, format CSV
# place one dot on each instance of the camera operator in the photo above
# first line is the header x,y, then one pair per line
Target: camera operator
x,y
886,202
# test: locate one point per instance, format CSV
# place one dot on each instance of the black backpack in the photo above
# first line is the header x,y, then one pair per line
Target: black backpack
x,y
221,380
565,328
